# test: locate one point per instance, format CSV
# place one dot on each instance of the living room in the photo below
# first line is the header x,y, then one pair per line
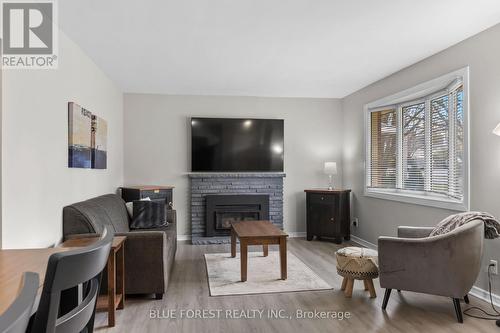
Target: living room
x,y
250,166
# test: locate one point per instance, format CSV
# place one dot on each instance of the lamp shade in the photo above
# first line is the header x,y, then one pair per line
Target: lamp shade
x,y
330,168
496,131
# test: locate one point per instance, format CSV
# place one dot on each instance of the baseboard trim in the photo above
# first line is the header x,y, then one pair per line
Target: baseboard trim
x,y
475,291
363,242
291,234
485,295
296,234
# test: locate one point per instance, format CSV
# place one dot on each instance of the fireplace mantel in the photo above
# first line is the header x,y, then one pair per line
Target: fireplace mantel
x,y
236,175
243,183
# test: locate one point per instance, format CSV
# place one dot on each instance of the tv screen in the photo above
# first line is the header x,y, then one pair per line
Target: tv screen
x,y
223,144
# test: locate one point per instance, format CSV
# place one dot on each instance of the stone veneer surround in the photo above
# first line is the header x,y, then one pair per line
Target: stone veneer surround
x,y
270,183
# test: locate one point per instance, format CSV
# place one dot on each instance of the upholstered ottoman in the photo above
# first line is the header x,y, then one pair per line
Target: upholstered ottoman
x,y
356,263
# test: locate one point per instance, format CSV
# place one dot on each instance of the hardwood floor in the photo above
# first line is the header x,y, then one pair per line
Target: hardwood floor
x,y
188,289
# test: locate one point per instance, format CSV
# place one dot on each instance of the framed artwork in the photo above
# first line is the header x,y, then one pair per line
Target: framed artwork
x,y
79,137
99,143
87,139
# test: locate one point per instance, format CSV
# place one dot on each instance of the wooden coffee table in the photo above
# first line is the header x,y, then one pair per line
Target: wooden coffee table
x,y
257,233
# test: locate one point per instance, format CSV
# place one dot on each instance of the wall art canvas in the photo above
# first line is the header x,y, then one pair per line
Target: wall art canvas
x,y
87,139
79,137
99,142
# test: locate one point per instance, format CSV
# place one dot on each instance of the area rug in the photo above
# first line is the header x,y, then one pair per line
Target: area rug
x,y
263,275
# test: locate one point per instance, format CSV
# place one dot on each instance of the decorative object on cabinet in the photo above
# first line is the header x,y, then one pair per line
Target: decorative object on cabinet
x,y
330,169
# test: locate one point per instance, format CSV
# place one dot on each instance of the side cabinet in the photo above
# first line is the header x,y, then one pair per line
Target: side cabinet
x,y
328,214
156,193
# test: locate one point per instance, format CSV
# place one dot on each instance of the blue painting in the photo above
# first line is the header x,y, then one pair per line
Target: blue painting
x,y
87,139
79,137
99,143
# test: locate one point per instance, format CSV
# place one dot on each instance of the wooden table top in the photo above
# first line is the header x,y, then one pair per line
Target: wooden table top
x,y
258,229
13,263
82,242
326,191
149,187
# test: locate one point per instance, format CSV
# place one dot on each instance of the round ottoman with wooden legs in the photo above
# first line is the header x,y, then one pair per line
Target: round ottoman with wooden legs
x,y
356,263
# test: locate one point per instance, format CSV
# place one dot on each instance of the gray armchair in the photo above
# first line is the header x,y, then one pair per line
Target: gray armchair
x,y
445,265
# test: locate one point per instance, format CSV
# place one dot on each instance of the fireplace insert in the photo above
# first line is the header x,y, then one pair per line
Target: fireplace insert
x,y
222,210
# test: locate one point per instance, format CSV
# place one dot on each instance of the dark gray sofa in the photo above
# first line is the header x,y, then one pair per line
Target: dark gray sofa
x,y
149,253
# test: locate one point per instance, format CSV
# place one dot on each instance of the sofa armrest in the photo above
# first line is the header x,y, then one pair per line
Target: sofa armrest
x,y
145,261
79,236
171,215
414,232
144,240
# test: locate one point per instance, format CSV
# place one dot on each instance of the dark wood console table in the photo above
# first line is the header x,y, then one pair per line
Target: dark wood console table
x,y
328,214
154,192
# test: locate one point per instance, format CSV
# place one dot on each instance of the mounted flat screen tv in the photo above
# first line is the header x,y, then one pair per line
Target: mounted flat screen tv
x,y
229,144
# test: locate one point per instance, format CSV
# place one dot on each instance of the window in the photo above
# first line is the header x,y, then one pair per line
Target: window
x,y
383,149
416,144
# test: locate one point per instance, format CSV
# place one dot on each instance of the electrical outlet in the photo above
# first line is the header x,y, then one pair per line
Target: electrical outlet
x,y
355,222
493,267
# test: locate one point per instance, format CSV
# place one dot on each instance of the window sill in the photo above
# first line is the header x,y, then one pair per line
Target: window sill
x,y
422,200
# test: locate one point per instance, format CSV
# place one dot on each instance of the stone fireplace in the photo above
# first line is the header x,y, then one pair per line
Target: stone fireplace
x,y
222,210
246,195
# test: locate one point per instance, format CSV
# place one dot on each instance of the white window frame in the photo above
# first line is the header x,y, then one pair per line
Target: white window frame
x,y
435,86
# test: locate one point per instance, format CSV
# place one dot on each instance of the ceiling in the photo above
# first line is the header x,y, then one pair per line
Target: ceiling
x,y
285,48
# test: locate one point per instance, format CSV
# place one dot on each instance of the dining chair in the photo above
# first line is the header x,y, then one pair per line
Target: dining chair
x,y
15,319
78,269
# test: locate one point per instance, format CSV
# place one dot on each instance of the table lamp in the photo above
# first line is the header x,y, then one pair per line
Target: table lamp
x,y
330,169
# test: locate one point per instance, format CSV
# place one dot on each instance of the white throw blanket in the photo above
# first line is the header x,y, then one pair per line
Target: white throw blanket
x,y
491,225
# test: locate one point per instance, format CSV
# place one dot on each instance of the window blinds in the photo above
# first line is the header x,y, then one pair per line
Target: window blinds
x,y
439,146
383,149
456,185
419,145
413,147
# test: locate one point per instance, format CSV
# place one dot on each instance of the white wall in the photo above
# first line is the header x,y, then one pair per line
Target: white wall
x,y
36,182
1,116
381,217
157,137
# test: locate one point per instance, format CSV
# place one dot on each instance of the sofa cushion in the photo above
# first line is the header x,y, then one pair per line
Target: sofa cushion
x,y
148,214
91,215
130,206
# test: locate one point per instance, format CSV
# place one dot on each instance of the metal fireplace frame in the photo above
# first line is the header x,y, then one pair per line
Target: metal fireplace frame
x,y
216,203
